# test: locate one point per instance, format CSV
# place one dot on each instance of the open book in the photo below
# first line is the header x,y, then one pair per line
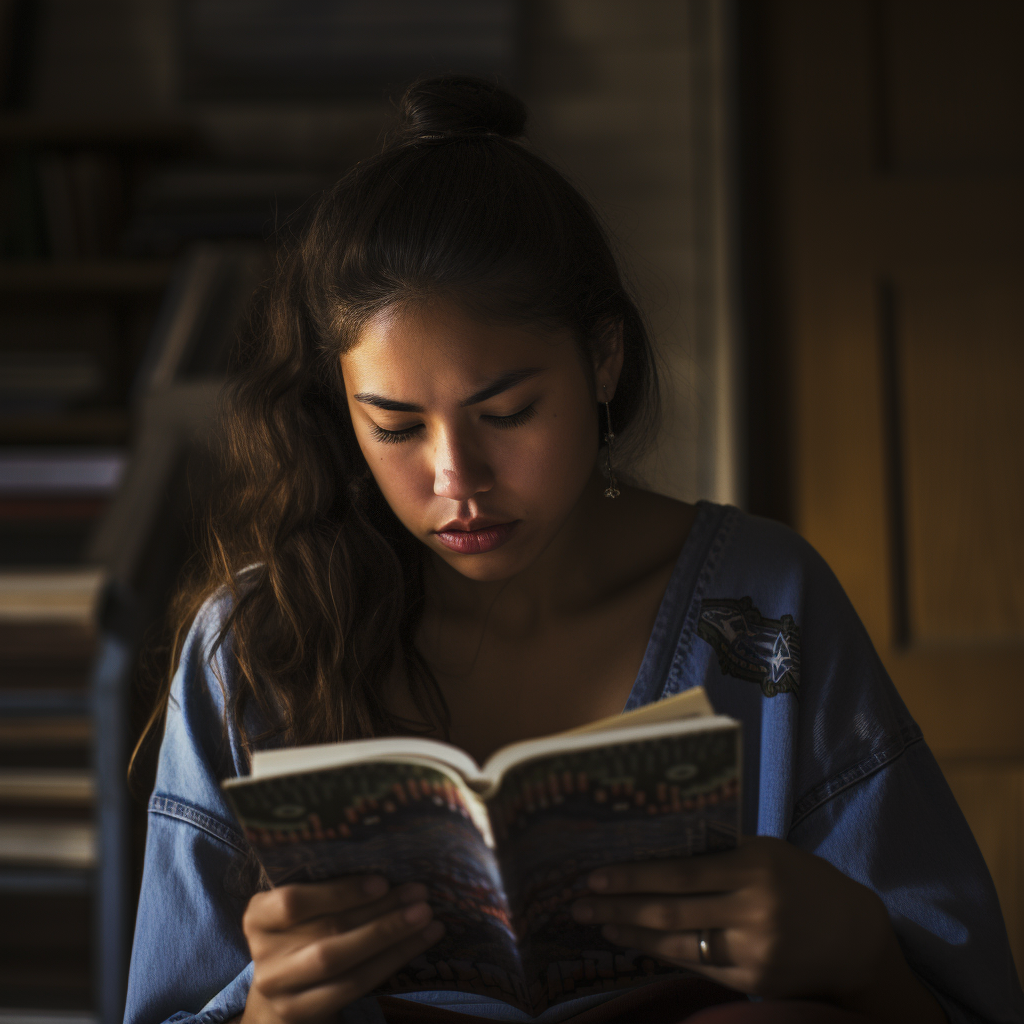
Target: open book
x,y
505,848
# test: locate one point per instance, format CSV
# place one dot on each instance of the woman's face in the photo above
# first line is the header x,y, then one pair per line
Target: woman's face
x,y
481,436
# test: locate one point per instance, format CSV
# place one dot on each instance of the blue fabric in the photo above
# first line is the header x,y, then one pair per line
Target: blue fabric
x,y
840,770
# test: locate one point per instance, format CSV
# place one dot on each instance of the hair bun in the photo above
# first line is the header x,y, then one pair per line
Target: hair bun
x,y
459,105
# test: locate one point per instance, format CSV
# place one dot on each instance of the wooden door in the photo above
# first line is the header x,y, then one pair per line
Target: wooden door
x,y
898,136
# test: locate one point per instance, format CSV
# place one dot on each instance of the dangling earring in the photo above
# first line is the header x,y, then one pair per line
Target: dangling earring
x,y
612,490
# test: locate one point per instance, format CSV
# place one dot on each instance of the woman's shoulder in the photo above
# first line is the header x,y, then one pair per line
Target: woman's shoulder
x,y
200,702
760,553
774,618
706,549
207,645
761,573
665,527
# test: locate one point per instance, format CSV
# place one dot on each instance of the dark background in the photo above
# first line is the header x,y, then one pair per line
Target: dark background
x,y
818,204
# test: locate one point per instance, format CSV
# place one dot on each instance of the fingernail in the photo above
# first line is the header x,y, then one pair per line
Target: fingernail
x,y
583,912
433,931
598,880
418,913
610,932
375,886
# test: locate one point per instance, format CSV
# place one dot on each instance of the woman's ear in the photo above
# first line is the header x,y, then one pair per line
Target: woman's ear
x,y
608,356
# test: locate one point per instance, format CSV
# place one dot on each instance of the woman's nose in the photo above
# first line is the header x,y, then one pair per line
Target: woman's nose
x,y
459,471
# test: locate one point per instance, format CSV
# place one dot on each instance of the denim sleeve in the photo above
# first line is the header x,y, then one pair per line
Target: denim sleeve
x,y
189,957
190,961
839,768
900,832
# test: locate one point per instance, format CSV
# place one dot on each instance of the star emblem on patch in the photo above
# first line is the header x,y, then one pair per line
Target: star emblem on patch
x,y
750,646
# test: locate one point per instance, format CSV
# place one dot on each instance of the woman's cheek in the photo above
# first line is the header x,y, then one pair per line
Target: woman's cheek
x,y
406,484
547,470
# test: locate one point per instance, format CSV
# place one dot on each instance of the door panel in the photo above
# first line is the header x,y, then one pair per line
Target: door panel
x,y
953,84
899,134
962,366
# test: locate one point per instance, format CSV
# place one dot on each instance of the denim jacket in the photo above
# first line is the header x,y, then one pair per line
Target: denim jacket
x,y
832,762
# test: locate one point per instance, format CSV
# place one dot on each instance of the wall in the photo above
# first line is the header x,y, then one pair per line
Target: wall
x,y
630,100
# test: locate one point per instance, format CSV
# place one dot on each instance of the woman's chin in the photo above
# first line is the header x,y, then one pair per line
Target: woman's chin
x,y
488,567
492,566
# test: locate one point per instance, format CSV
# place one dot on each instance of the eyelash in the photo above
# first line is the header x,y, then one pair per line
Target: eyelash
x,y
517,419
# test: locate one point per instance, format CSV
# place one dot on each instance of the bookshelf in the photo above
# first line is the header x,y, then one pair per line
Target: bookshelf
x,y
150,134
99,426
128,136
105,501
47,778
76,316
128,258
105,277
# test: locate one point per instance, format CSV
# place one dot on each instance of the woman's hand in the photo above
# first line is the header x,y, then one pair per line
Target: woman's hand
x,y
317,948
782,923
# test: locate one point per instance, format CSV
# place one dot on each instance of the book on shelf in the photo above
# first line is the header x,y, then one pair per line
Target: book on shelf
x,y
52,500
63,204
47,533
19,25
59,596
48,381
59,206
504,848
181,205
48,628
23,228
57,844
83,202
47,654
46,732
59,472
47,786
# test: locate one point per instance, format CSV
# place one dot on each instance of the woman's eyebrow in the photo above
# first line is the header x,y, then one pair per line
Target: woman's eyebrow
x,y
386,403
502,383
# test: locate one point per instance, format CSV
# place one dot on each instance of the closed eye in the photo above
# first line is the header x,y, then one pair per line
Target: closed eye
x,y
393,436
517,419
501,422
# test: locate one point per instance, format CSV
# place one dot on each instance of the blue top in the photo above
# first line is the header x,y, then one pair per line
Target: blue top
x,y
832,762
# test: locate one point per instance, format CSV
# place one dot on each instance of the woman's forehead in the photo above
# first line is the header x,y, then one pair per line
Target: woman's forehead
x,y
444,344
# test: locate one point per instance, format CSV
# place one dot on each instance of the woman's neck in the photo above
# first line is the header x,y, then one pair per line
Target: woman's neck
x,y
561,644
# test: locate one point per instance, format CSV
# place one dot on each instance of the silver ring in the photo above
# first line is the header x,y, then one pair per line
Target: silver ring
x,y
704,946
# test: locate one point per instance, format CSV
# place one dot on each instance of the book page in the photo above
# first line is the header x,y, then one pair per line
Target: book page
x,y
557,818
692,703
270,763
520,753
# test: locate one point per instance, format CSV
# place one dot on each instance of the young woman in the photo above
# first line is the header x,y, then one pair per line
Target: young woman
x,y
424,531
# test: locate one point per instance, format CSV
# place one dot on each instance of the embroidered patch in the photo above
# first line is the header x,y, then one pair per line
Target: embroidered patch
x,y
751,647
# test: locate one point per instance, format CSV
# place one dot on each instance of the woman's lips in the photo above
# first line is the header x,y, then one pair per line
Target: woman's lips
x,y
475,542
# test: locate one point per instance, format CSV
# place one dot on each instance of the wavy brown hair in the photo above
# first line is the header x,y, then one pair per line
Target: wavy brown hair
x,y
326,585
